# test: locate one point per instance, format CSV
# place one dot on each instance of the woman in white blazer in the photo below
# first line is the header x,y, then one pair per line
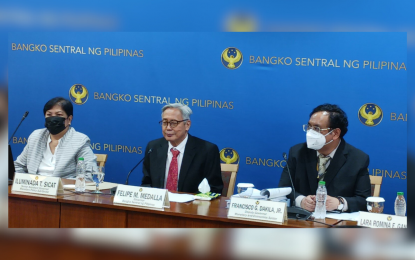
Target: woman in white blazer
x,y
54,150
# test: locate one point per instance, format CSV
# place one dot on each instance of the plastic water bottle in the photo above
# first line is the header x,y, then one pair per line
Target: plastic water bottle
x,y
80,175
321,196
400,205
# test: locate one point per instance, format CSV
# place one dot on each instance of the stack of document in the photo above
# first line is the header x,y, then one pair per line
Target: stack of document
x,y
256,194
276,194
181,198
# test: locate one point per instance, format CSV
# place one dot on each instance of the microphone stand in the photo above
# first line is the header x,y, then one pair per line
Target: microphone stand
x,y
21,121
128,176
295,212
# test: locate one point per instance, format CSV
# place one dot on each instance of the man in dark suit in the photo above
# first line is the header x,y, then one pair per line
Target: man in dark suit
x,y
179,161
326,156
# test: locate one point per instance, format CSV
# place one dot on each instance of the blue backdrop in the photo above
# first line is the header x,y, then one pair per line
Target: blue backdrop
x,y
257,108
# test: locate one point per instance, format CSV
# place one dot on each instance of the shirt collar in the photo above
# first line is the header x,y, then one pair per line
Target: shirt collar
x,y
181,146
50,140
331,155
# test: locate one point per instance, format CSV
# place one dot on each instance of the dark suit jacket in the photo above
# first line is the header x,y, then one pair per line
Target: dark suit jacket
x,y
201,160
347,175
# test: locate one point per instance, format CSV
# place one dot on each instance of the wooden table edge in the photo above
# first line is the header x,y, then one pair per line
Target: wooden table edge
x,y
189,216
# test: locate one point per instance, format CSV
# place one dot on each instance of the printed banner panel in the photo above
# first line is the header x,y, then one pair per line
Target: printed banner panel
x,y
249,92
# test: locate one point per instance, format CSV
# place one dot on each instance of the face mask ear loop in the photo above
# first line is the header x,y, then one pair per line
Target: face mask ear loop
x,y
327,135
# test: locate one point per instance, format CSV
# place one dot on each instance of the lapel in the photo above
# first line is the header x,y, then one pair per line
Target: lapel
x,y
162,159
60,165
337,162
311,166
38,156
189,153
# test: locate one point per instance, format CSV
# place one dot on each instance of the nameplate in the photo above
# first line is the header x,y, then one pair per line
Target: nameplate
x,y
376,220
258,210
142,196
37,184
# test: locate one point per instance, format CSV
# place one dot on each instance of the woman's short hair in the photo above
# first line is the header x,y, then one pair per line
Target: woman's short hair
x,y
63,102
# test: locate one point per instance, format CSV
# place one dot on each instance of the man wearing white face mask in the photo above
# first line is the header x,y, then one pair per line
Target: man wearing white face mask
x,y
326,156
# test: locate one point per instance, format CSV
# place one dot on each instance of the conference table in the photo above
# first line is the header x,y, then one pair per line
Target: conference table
x,y
73,210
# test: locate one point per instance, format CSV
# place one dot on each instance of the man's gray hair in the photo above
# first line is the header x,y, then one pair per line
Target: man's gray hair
x,y
185,110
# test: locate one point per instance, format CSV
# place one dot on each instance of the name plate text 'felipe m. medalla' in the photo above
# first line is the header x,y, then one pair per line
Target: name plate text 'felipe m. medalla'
x,y
142,196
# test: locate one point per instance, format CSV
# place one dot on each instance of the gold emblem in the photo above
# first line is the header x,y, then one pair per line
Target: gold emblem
x,y
229,156
257,202
232,58
78,94
389,218
370,114
37,177
141,189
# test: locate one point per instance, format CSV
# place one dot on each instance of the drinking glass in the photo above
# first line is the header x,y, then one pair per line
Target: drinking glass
x,y
98,177
245,190
375,204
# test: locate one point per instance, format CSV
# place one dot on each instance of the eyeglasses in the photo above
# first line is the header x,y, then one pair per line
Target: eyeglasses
x,y
307,127
173,123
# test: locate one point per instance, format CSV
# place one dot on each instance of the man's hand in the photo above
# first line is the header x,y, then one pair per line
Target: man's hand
x,y
309,203
332,203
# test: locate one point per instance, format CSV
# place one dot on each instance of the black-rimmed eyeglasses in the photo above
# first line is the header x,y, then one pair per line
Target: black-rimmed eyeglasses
x,y
173,123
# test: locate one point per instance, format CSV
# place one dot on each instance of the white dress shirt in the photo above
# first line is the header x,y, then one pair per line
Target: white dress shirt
x,y
331,155
181,148
47,165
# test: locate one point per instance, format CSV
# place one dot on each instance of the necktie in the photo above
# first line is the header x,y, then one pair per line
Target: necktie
x,y
171,184
322,162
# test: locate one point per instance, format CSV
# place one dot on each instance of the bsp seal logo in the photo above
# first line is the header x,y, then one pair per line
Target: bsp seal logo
x,y
232,58
229,156
370,114
78,94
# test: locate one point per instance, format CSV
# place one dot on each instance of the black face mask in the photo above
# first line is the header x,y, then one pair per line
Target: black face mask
x,y
55,124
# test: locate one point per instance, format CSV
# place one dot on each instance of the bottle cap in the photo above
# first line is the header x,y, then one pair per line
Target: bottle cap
x,y
322,183
80,158
400,193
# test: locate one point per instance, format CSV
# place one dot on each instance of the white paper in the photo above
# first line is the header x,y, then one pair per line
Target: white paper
x,y
354,216
102,186
256,194
69,186
277,192
181,198
282,198
92,186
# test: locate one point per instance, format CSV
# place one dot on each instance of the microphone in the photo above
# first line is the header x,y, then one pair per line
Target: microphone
x,y
23,118
289,174
128,176
295,212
